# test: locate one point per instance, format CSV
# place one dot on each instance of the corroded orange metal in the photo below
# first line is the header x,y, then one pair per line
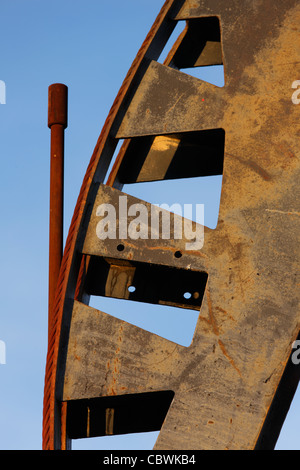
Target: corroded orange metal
x,y
57,122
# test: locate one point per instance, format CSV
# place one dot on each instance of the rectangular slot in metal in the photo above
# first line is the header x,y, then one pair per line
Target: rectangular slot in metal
x,y
134,413
143,282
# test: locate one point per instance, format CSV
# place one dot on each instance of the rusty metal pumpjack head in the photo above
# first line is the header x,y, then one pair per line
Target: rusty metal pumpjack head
x,y
231,388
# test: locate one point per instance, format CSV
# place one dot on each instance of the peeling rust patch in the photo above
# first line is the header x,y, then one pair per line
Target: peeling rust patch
x,y
223,349
253,165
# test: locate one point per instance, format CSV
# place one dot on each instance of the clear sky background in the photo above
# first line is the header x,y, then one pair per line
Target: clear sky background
x,y
88,45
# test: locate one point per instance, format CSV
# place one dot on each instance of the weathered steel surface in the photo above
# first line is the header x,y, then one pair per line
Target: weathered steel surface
x,y
168,101
169,251
230,389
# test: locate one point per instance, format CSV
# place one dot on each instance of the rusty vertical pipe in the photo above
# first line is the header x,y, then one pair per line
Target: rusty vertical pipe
x,y
57,122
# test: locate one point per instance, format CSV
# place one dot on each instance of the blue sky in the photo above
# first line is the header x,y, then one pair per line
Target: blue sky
x,y
89,46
